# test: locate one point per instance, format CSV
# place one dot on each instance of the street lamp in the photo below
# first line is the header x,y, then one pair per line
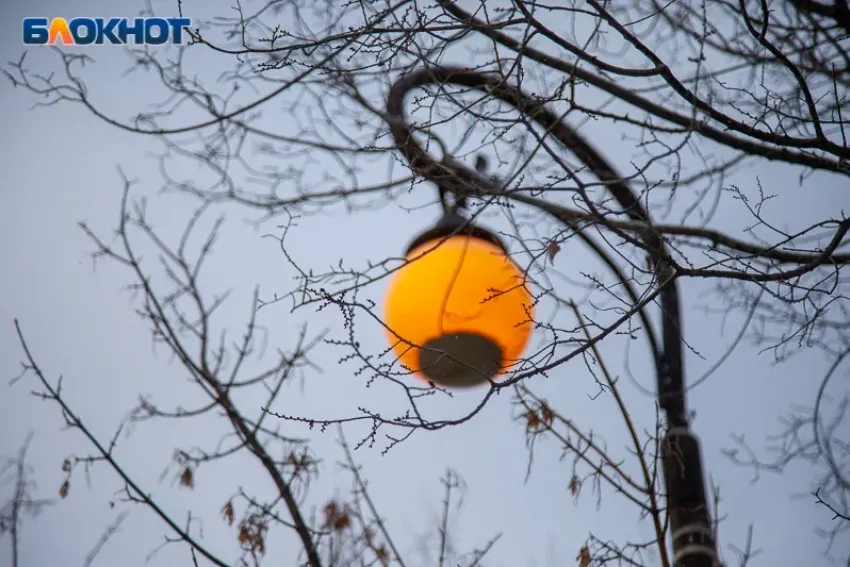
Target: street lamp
x,y
691,530
458,312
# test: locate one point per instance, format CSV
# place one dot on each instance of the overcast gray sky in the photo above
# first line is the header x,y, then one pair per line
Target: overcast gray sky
x,y
60,167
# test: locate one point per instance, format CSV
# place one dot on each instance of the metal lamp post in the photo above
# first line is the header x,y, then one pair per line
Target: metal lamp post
x,y
690,521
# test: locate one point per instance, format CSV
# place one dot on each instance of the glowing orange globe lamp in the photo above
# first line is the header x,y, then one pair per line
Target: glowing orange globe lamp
x,y
458,313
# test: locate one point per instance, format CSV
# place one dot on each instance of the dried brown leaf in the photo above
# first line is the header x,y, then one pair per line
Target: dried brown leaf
x,y
293,460
259,543
331,513
532,421
383,555
66,465
546,413
342,522
227,512
336,517
252,532
552,250
583,557
575,484
187,478
63,490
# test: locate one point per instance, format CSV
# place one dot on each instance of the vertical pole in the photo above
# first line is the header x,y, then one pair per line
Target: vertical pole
x,y
690,521
687,506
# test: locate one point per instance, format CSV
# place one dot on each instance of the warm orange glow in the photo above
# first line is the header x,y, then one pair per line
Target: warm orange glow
x,y
461,285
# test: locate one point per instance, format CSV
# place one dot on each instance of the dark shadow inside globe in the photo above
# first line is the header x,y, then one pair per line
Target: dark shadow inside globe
x,y
460,360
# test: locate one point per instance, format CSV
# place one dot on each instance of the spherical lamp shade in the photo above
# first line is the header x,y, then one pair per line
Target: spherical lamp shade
x,y
458,313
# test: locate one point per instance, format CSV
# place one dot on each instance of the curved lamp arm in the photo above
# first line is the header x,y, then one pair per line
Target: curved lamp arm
x,y
693,541
465,181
